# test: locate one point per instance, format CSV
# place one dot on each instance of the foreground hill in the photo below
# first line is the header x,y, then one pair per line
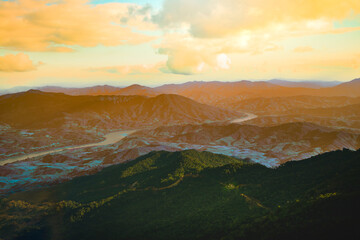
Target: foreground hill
x,y
192,195
36,109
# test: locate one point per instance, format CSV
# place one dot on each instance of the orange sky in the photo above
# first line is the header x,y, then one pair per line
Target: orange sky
x,y
81,43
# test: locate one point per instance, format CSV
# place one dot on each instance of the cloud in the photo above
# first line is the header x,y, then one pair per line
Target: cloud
x,y
17,63
131,69
223,61
31,25
183,61
191,61
219,18
188,55
303,49
197,32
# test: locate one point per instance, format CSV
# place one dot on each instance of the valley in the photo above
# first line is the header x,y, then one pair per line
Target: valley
x,y
52,139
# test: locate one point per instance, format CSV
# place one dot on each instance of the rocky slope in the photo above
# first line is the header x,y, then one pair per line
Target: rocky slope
x,y
281,143
269,146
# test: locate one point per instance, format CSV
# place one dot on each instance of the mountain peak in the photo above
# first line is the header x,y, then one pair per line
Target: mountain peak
x,y
34,91
357,80
135,86
353,83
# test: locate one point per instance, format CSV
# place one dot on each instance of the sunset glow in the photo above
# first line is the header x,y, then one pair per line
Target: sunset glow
x,y
84,43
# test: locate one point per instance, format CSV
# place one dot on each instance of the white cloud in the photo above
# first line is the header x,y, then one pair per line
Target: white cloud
x,y
17,63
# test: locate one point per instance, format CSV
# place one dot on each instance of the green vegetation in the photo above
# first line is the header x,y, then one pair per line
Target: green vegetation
x,y
194,195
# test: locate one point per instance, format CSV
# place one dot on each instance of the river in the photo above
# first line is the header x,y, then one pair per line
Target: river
x,y
110,138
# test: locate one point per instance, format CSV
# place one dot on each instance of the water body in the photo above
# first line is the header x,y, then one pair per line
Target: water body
x,y
247,118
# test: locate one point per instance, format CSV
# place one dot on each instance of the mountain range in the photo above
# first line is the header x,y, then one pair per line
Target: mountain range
x,y
222,93
134,89
307,84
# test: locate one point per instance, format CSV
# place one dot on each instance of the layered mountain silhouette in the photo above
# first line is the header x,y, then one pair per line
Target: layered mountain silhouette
x,y
193,195
134,89
223,93
36,109
305,84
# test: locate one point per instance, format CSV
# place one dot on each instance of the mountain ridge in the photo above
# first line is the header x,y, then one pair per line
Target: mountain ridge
x,y
38,109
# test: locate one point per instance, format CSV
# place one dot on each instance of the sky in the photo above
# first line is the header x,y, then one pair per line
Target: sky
x,y
77,43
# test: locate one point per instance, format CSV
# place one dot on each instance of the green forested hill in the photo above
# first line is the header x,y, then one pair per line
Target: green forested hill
x,y
194,195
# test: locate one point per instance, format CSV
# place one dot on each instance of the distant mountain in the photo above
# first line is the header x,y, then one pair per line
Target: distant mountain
x,y
305,84
137,90
36,109
192,195
223,93
96,90
103,90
